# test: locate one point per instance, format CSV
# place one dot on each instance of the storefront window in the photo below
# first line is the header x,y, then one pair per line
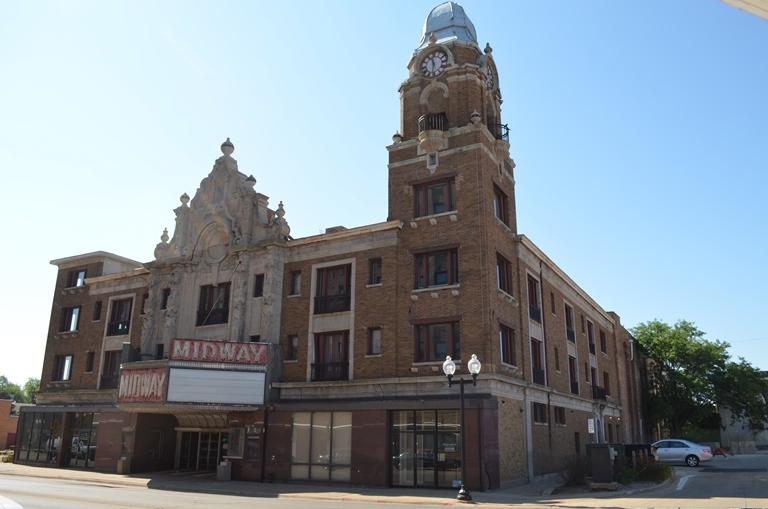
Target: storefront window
x,y
40,437
321,446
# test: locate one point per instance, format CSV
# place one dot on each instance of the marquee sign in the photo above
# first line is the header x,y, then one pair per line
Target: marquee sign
x,y
224,352
142,385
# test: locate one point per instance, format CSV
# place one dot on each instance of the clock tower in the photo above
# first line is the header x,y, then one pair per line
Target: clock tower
x,y
451,183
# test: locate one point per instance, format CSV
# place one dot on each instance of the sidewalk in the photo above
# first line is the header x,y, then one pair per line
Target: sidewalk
x,y
526,494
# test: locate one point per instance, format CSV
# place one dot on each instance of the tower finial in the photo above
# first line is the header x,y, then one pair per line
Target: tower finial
x,y
488,50
227,148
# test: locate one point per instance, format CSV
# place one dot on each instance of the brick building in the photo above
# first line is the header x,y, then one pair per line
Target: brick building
x,y
8,424
321,358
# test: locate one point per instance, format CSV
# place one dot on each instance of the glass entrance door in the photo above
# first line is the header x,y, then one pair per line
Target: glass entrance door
x,y
200,450
426,448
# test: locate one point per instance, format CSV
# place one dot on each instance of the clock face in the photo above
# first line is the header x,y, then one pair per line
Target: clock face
x,y
434,64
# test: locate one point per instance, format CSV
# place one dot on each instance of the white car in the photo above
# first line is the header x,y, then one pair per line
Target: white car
x,y
675,450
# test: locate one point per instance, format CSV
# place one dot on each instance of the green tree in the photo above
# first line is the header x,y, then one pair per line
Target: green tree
x,y
30,390
742,388
9,390
689,377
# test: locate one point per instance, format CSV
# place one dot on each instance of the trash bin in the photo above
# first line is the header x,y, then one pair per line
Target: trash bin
x,y
224,471
124,465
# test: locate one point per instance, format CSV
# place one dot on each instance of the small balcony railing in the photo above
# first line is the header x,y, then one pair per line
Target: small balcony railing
x,y
574,387
570,334
332,303
534,313
433,122
118,328
598,392
212,317
499,131
109,381
592,348
330,371
538,376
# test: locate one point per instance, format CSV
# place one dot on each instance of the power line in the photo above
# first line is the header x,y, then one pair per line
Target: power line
x,y
745,340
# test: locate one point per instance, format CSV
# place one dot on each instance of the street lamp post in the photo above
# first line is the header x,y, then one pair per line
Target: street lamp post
x,y
449,368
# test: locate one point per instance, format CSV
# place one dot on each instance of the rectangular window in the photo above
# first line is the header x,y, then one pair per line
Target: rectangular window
x,y
213,307
603,345
97,311
534,305
110,372
331,361
437,269
322,445
89,362
255,338
606,384
591,336
333,289
70,319
76,278
552,301
537,362
159,351
374,269
504,274
539,413
570,333
434,198
258,285
557,360
120,317
374,341
583,329
560,415
573,374
62,368
293,347
436,341
586,372
500,205
507,340
165,297
295,281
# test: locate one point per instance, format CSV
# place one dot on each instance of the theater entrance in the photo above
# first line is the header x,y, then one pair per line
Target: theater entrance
x,y
200,450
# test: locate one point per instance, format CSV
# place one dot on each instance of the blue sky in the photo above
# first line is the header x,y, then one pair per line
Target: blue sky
x,y
638,128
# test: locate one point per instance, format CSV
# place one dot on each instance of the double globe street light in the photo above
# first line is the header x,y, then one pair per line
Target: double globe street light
x,y
449,368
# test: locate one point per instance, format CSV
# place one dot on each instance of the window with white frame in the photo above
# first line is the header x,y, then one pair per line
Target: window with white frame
x,y
507,341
